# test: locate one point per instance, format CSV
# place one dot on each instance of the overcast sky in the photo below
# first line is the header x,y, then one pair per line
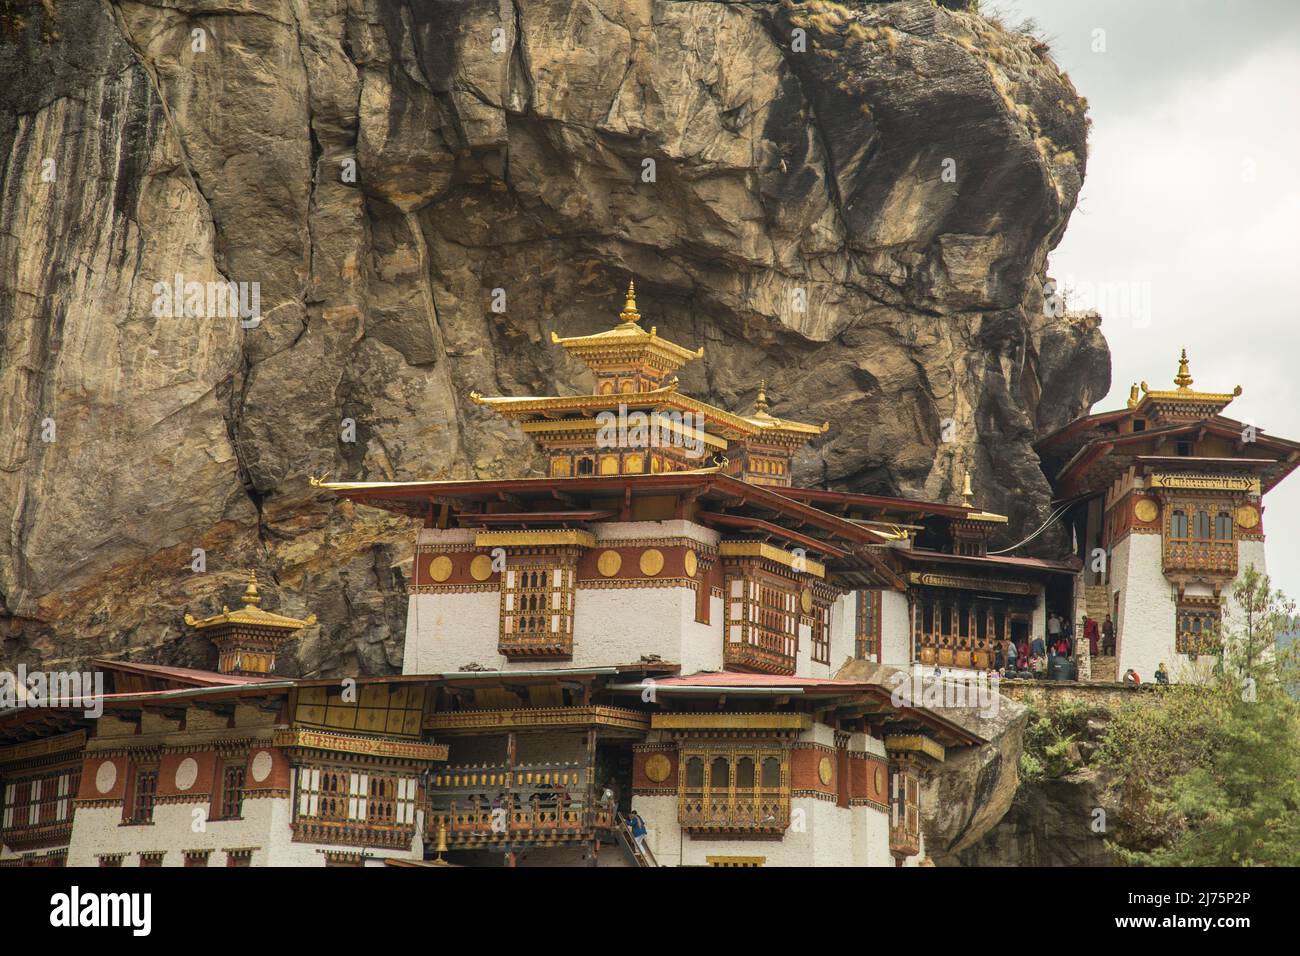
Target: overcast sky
x,y
1192,197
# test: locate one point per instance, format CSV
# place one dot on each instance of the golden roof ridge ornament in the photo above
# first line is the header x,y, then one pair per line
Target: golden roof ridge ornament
x,y
967,493
630,313
1184,377
251,598
760,403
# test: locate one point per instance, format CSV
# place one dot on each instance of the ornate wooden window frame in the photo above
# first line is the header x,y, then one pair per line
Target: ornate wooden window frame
x,y
1194,640
867,630
521,582
729,805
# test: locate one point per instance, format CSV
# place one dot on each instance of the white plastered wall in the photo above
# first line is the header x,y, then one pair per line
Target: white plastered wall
x,y
445,631
265,828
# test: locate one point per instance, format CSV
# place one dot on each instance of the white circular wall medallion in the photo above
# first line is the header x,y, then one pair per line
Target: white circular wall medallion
x,y
261,768
186,773
105,776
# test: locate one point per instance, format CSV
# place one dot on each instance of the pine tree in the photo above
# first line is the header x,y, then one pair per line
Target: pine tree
x,y
1241,807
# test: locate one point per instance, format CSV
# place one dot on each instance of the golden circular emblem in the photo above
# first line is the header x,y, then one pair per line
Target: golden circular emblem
x,y
657,768
608,563
1144,509
1248,516
652,561
481,567
440,568
805,600
825,771
880,780
691,562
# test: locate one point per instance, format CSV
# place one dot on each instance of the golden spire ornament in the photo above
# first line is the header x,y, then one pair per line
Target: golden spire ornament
x,y
629,313
1184,377
967,493
760,403
251,598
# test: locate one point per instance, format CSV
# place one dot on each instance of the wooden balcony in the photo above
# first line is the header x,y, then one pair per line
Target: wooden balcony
x,y
762,811
904,841
37,836
1209,557
352,833
535,645
772,652
534,803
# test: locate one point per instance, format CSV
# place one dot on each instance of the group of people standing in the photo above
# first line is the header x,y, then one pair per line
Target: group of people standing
x,y
1032,655
1100,638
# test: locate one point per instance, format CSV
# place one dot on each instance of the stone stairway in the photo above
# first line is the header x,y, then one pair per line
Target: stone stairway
x,y
1097,605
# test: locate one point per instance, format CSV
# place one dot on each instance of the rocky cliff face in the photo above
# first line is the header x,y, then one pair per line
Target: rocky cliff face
x,y
855,204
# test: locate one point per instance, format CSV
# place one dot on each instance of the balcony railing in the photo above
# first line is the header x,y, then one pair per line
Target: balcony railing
x,y
772,652
535,643
904,841
525,803
759,811
1215,557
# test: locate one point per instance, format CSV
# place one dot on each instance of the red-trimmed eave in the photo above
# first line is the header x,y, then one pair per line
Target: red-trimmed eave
x,y
1078,425
819,687
877,502
745,523
185,676
424,496
1072,566
1088,455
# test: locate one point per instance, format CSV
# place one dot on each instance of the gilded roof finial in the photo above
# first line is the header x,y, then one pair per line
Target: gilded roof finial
x,y
1133,396
760,403
1184,377
629,313
967,494
251,597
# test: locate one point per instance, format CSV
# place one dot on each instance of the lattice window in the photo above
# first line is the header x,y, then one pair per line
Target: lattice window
x,y
537,609
144,791
904,811
761,624
240,857
39,801
867,632
735,861
820,621
152,857
232,791
734,787
197,857
335,795
1199,626
111,859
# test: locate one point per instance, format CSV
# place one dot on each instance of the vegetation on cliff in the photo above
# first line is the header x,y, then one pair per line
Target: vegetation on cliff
x,y
1209,775
1196,774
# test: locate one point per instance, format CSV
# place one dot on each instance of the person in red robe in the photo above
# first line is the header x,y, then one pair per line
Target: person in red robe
x,y
1091,632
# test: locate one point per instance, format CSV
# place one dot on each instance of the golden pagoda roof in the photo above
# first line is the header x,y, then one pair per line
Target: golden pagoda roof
x,y
746,426
251,614
1183,393
767,422
627,341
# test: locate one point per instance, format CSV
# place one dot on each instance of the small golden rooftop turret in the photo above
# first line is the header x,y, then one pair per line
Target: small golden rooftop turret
x,y
1181,402
248,639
